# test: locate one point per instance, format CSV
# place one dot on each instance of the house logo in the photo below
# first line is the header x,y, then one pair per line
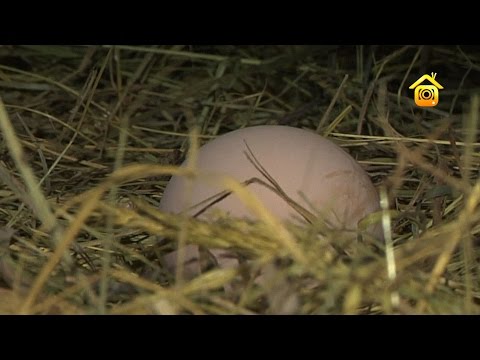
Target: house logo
x,y
426,95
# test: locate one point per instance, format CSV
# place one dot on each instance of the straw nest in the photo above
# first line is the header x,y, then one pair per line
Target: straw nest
x,y
91,134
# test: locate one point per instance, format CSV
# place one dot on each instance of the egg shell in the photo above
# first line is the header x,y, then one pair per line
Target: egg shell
x,y
300,161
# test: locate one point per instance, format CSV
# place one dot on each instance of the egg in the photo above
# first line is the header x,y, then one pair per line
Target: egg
x,y
312,170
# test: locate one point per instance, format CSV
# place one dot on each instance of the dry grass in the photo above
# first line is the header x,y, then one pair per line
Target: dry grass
x,y
90,136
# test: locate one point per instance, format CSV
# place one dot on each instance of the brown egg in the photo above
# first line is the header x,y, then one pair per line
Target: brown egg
x,y
304,164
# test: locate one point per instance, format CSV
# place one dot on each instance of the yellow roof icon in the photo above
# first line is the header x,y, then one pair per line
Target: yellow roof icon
x,y
429,78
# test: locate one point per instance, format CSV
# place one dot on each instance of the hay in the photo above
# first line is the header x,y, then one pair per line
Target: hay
x,y
91,134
